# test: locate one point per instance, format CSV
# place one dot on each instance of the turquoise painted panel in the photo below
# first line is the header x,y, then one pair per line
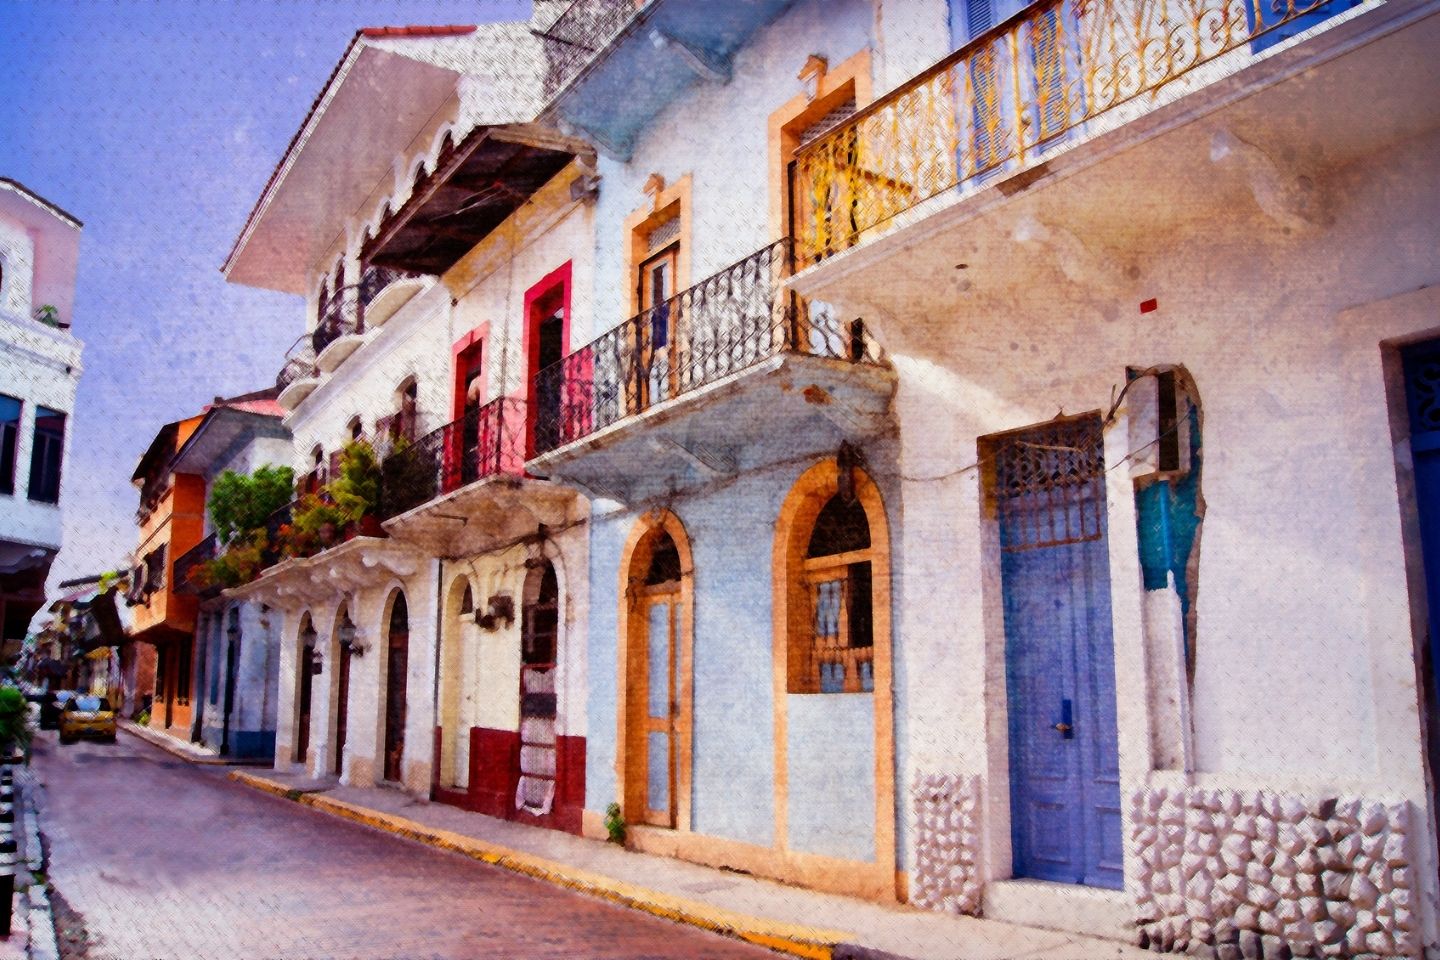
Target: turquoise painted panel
x,y
830,741
659,661
657,747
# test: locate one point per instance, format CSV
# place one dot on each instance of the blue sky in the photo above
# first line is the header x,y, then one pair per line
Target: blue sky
x,y
157,123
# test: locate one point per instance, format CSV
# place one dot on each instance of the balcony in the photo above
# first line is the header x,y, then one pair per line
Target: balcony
x,y
188,578
298,376
463,488
730,375
617,63
1067,84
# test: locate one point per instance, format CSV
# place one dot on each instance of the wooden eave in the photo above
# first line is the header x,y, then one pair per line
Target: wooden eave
x,y
474,187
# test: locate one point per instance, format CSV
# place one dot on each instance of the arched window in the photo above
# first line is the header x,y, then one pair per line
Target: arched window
x,y
664,561
356,427
540,628
832,551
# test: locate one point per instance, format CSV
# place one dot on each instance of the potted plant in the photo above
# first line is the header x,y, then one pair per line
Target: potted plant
x,y
356,491
314,524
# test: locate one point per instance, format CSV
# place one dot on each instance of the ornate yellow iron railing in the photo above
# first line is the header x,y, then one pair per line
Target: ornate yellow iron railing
x,y
1002,100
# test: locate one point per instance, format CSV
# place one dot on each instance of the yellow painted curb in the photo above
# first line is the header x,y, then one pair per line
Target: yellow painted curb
x,y
799,941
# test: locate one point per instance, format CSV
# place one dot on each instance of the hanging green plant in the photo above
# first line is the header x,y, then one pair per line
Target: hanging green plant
x,y
356,492
241,503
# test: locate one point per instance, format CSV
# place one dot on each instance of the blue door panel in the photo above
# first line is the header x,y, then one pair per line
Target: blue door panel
x,y
1064,770
1422,394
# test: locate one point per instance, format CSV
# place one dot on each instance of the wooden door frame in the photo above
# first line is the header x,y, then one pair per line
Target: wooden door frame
x,y
633,639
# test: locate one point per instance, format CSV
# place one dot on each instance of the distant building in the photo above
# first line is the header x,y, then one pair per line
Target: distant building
x,y
39,370
236,658
173,476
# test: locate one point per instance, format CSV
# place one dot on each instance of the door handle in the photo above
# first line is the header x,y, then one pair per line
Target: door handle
x,y
1067,730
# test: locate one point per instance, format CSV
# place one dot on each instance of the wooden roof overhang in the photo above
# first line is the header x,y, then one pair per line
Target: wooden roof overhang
x,y
474,187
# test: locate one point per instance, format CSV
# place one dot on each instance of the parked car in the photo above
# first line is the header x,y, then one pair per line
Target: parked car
x,y
87,717
50,708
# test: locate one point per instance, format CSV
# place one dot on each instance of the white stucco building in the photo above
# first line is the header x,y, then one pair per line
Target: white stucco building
x,y
972,454
39,371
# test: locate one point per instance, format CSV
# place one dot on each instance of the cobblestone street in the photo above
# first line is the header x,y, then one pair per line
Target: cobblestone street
x,y
158,858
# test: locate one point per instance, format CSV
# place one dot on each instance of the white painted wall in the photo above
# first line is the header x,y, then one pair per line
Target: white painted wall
x,y
40,366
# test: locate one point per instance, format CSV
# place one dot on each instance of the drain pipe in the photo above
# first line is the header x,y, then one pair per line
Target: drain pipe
x,y
437,742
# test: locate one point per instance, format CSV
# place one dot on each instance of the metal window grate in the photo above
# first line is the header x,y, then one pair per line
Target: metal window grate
x,y
835,117
1050,485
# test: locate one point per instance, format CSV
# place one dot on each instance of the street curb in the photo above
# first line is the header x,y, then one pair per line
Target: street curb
x,y
172,746
39,917
797,941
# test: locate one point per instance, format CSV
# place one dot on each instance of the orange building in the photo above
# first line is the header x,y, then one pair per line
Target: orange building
x,y
172,520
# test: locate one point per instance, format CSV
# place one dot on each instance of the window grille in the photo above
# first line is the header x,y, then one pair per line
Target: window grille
x,y
836,654
818,129
663,234
1050,485
540,622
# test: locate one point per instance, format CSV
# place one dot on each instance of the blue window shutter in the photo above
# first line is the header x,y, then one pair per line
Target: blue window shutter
x,y
969,19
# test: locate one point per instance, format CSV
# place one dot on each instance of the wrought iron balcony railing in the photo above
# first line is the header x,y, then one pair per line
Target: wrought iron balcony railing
x,y
187,562
342,316
1004,99
722,325
487,441
299,363
375,279
578,34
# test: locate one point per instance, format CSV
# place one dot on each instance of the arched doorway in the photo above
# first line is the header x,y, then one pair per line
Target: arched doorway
x,y
453,743
306,666
656,716
344,643
539,640
397,668
834,719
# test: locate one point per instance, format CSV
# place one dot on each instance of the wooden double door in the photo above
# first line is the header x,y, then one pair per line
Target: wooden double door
x,y
654,777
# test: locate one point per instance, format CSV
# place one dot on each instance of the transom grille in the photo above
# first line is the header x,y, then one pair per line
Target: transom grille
x,y
1050,485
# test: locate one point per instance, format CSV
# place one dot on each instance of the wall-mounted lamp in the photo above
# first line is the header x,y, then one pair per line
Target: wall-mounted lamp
x,y
501,607
351,641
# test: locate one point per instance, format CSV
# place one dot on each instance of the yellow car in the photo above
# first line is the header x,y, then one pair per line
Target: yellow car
x,y
87,717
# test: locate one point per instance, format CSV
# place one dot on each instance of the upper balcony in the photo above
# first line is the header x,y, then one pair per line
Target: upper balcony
x,y
733,374
614,64
463,488
1076,91
352,314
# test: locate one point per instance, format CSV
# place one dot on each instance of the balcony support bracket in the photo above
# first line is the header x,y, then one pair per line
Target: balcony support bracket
x,y
711,463
1288,197
705,66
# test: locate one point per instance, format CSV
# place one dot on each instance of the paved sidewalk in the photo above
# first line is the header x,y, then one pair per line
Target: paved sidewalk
x,y
796,921
193,752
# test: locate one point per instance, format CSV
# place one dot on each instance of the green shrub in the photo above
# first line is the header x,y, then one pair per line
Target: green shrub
x,y
615,824
14,721
356,492
240,503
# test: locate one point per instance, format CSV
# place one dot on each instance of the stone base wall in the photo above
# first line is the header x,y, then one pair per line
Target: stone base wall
x,y
1228,874
947,843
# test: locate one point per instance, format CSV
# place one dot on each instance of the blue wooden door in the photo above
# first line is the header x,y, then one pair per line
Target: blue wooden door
x,y
1059,661
1422,388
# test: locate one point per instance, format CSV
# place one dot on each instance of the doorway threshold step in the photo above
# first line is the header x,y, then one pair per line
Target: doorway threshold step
x,y
1068,907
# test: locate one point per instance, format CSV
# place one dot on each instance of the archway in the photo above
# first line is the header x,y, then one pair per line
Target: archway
x,y
397,644
306,667
453,751
342,652
834,721
657,616
539,642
